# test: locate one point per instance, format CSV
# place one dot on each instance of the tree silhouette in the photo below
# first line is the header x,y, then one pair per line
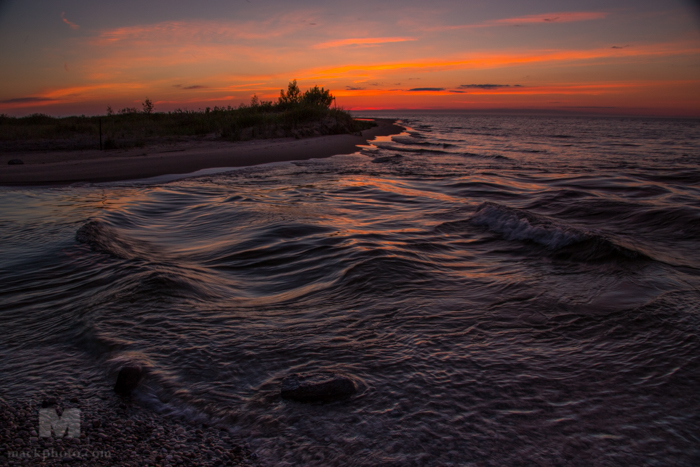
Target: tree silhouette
x,y
318,97
147,106
293,95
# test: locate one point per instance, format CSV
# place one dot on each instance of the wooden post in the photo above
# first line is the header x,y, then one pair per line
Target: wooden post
x,y
100,120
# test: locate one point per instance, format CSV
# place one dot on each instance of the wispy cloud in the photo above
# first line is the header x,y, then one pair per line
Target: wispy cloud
x,y
194,86
217,32
72,25
352,88
27,100
566,89
487,86
364,41
561,17
564,17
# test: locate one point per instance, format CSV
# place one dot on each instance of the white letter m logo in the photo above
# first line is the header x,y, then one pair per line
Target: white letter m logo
x,y
69,422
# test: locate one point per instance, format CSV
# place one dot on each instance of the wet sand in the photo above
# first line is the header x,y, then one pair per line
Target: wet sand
x,y
65,167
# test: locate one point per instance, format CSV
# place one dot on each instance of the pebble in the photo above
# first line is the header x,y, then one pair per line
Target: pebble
x,y
122,437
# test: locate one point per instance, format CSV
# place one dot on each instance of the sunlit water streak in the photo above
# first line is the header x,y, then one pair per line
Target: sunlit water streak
x,y
504,289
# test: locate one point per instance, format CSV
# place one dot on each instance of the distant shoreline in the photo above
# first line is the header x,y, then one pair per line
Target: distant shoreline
x,y
66,167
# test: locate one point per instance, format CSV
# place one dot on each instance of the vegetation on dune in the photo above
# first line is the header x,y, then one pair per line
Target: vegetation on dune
x,y
295,114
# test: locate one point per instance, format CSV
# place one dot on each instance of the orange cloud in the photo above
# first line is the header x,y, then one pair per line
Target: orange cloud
x,y
564,17
368,41
500,60
71,94
72,25
76,91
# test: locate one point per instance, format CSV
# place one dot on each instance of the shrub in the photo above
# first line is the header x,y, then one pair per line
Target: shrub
x,y
292,97
294,114
316,97
148,106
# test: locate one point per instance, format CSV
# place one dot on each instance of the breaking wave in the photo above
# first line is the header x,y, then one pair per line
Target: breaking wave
x,y
566,241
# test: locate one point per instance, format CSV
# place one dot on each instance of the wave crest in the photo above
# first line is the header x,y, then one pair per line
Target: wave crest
x,y
566,242
102,238
516,224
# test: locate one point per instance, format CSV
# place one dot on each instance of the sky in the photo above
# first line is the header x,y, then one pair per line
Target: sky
x,y
636,57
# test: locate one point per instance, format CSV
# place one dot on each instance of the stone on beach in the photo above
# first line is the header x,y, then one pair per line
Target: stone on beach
x,y
128,379
112,435
317,387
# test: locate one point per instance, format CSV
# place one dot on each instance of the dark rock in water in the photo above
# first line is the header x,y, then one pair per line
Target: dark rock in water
x,y
15,162
388,159
317,387
128,379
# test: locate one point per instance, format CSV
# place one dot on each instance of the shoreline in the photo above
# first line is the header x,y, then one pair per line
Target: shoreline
x,y
43,168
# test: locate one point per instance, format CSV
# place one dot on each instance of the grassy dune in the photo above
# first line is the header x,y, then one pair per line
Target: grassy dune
x,y
294,115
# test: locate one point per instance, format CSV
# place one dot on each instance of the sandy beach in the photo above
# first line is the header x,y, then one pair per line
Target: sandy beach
x,y
65,167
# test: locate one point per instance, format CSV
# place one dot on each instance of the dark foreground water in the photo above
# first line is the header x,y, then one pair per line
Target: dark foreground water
x,y
504,291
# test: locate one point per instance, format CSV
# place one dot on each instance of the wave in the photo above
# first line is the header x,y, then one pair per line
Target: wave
x,y
486,156
394,147
411,141
565,241
516,224
388,159
102,238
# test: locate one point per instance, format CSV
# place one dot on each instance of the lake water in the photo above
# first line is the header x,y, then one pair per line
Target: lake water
x,y
504,291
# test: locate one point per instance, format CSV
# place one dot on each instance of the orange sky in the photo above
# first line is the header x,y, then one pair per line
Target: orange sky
x,y
627,57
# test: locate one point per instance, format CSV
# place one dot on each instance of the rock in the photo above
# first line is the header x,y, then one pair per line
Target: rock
x,y
15,162
128,379
317,387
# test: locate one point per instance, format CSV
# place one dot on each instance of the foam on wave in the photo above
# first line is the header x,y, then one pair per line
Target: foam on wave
x,y
516,224
565,241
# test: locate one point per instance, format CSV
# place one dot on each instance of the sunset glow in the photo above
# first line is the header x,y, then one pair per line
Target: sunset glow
x,y
620,57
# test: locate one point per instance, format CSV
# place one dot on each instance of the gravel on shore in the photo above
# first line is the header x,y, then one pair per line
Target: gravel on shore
x,y
113,432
